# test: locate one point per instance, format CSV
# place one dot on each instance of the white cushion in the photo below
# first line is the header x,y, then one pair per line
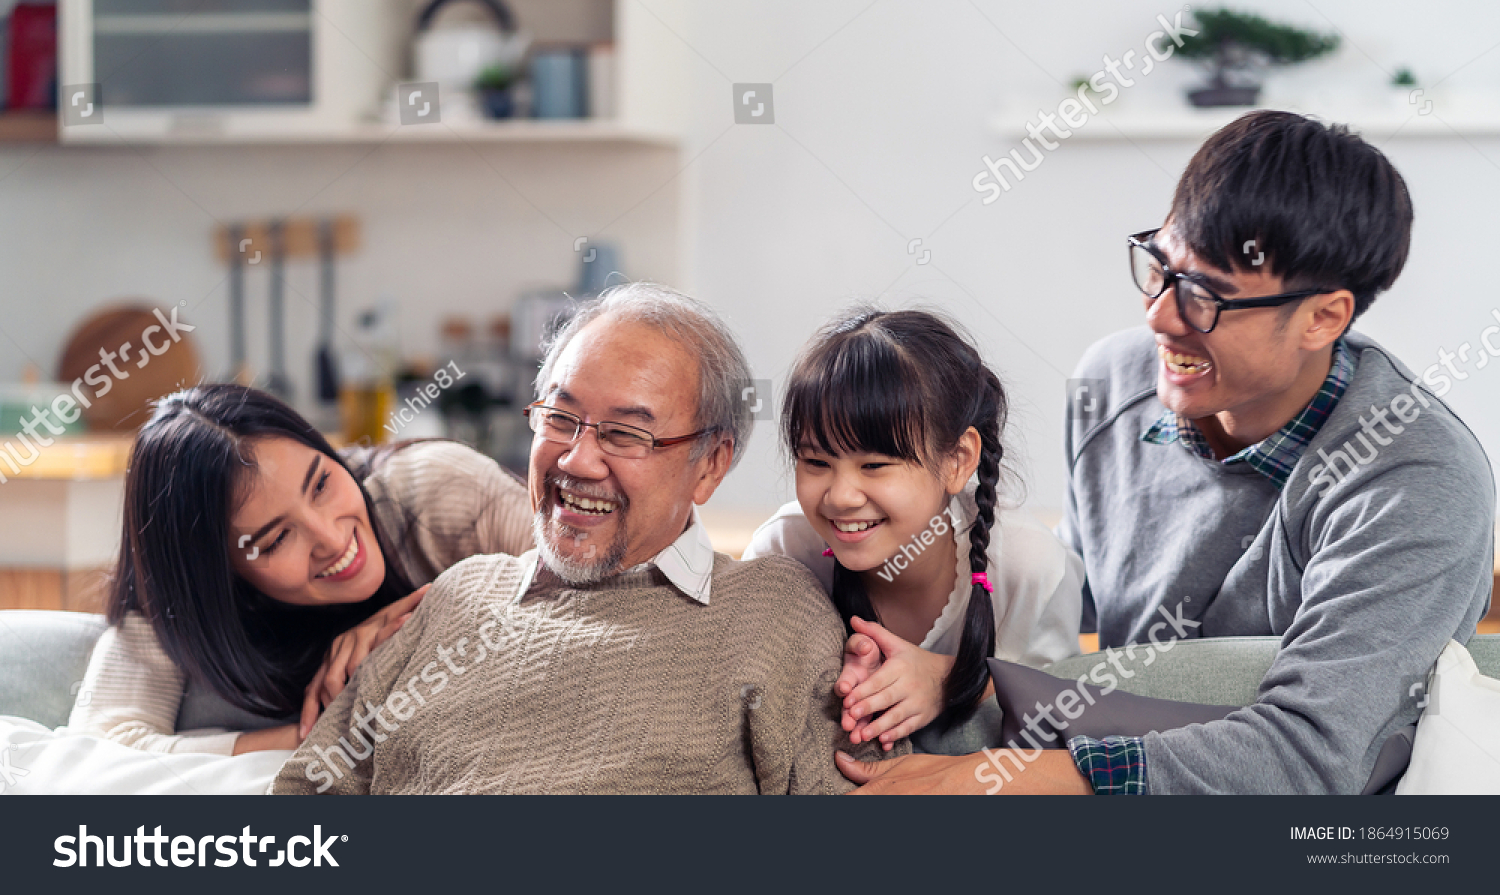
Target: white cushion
x,y
1457,750
38,761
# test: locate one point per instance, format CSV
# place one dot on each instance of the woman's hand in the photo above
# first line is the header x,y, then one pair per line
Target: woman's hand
x,y
348,650
284,737
907,687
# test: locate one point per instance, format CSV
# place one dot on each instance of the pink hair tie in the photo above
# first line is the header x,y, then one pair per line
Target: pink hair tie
x,y
828,551
983,581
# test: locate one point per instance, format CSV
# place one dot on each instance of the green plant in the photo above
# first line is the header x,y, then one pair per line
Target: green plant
x,y
1403,78
1081,83
1235,42
494,78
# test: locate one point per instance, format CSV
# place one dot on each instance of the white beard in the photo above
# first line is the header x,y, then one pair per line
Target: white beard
x,y
594,566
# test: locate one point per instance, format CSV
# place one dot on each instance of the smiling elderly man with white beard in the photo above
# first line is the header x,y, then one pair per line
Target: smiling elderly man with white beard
x,y
624,655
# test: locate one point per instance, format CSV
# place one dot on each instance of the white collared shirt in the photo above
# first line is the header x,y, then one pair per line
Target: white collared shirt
x,y
688,563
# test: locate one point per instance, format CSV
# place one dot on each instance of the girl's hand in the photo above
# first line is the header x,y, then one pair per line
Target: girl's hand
x,y
907,687
348,650
861,659
284,737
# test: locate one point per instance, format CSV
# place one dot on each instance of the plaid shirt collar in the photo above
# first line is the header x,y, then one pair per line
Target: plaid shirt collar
x,y
1275,456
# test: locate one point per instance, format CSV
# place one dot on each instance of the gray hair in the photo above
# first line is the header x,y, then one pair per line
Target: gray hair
x,y
723,373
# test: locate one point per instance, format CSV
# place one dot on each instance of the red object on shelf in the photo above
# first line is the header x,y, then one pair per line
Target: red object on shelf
x,y
31,64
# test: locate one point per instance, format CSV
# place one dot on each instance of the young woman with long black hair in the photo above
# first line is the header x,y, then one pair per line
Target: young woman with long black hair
x,y
259,564
894,421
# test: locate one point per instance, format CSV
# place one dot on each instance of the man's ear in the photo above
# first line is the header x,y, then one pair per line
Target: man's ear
x,y
714,467
964,460
1330,315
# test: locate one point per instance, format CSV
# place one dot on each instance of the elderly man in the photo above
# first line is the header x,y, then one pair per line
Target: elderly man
x,y
624,655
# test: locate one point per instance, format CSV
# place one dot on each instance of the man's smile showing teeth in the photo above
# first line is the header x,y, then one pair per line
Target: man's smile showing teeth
x,y
1184,364
588,506
344,561
851,527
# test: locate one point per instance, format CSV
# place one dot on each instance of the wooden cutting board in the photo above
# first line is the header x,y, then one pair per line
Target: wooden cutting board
x,y
132,332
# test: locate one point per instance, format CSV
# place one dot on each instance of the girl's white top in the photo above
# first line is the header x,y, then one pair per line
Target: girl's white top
x,y
1038,598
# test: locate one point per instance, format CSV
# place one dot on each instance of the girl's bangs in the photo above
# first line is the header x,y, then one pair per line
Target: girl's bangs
x,y
854,397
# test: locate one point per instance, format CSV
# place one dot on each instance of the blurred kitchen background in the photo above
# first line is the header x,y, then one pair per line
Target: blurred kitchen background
x,y
280,175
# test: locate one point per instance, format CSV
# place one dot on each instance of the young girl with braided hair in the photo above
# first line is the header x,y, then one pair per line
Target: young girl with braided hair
x,y
894,422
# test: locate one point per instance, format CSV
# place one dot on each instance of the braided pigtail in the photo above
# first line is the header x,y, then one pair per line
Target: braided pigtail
x,y
966,681
850,597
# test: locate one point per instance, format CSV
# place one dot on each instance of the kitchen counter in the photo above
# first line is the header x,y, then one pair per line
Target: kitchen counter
x,y
60,520
72,459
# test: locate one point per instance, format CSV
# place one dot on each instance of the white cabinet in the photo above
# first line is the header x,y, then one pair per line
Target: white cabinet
x,y
225,70
317,71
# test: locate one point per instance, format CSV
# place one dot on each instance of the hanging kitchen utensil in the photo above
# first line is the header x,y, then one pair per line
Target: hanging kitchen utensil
x,y
328,373
238,370
277,381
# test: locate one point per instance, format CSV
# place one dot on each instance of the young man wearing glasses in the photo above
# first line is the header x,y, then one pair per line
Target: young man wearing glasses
x,y
1250,466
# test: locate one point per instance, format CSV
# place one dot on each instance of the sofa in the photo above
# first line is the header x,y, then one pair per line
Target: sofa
x,y
43,656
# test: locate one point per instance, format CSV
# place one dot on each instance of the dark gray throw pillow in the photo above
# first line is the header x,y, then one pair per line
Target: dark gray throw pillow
x,y
1043,711
1027,697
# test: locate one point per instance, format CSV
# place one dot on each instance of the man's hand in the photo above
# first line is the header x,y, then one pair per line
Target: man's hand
x,y
1050,772
348,650
907,687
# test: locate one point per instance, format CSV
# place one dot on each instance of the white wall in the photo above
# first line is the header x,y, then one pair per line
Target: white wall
x,y
881,121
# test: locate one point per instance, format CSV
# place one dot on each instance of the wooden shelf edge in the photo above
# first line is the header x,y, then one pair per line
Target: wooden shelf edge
x,y
518,131
28,127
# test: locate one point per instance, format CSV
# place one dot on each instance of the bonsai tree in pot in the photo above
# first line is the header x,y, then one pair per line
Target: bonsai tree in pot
x,y
1238,47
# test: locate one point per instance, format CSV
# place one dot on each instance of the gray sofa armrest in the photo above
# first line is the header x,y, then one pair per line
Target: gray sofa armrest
x,y
1211,671
43,656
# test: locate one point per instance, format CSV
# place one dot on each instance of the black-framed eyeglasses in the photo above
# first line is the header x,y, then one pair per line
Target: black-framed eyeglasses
x,y
616,439
1198,305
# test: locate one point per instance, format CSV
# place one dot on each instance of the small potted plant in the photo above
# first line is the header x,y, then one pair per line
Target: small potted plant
x,y
494,86
1238,47
1407,94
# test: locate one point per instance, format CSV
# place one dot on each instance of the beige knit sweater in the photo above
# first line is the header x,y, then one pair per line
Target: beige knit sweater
x,y
624,687
439,501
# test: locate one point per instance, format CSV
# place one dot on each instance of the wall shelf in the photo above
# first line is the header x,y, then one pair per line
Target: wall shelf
x,y
213,132
1183,122
28,127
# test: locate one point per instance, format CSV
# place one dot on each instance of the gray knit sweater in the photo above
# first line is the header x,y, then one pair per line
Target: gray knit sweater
x,y
1364,568
624,687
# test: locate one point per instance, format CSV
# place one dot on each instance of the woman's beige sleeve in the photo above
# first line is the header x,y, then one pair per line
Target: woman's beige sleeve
x,y
131,693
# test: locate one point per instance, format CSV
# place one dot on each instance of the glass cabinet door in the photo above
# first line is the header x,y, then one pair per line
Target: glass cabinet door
x,y
167,53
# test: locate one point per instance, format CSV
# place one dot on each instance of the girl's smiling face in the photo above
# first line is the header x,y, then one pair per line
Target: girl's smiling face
x,y
302,532
866,506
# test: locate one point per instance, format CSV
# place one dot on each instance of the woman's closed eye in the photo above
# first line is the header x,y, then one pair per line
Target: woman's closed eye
x,y
271,547
318,491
